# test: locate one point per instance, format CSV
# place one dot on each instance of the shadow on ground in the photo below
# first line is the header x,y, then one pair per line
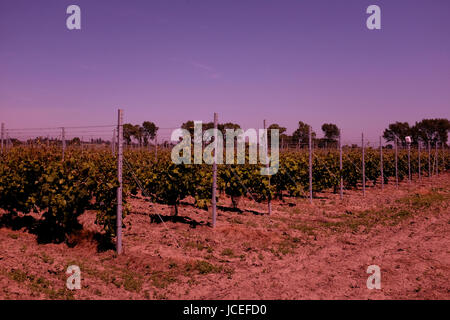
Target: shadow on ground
x,y
50,233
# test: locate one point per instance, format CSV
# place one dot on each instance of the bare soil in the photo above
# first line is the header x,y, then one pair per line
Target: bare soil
x,y
301,251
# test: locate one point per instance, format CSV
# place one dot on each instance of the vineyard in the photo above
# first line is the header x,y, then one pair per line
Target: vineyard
x,y
37,180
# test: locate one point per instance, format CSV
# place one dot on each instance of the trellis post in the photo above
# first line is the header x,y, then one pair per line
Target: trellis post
x,y
310,165
363,165
2,136
119,177
381,165
409,162
156,148
437,158
266,141
418,154
396,162
63,138
341,191
214,182
443,156
113,142
429,159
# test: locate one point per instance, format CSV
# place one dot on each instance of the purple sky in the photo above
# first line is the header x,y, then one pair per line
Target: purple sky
x,y
170,61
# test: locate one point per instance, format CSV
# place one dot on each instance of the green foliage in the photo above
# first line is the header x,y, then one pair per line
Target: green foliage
x,y
36,180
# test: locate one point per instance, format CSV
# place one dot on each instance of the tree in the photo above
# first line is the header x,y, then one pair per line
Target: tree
x,y
431,130
302,133
281,131
398,129
229,125
149,131
189,126
75,141
129,131
331,131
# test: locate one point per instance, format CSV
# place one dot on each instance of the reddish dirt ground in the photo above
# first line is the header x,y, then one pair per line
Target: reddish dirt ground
x,y
301,251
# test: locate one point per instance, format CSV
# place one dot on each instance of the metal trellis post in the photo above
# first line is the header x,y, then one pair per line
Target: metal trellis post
x,y
119,176
310,165
363,166
341,191
381,165
214,182
63,138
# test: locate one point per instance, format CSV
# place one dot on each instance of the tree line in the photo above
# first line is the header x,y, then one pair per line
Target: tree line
x,y
427,130
424,131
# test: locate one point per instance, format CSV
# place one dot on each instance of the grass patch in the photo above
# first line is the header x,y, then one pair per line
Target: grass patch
x,y
227,252
422,201
162,279
404,208
236,221
286,246
309,230
199,245
203,267
251,224
47,259
40,285
18,275
132,282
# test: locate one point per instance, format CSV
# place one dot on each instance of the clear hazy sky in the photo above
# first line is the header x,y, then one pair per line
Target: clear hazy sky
x,y
170,61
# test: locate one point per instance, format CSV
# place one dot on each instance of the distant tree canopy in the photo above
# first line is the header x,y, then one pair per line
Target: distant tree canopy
x,y
281,130
75,141
427,130
433,130
398,129
330,131
129,131
149,131
229,125
189,125
301,134
142,134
